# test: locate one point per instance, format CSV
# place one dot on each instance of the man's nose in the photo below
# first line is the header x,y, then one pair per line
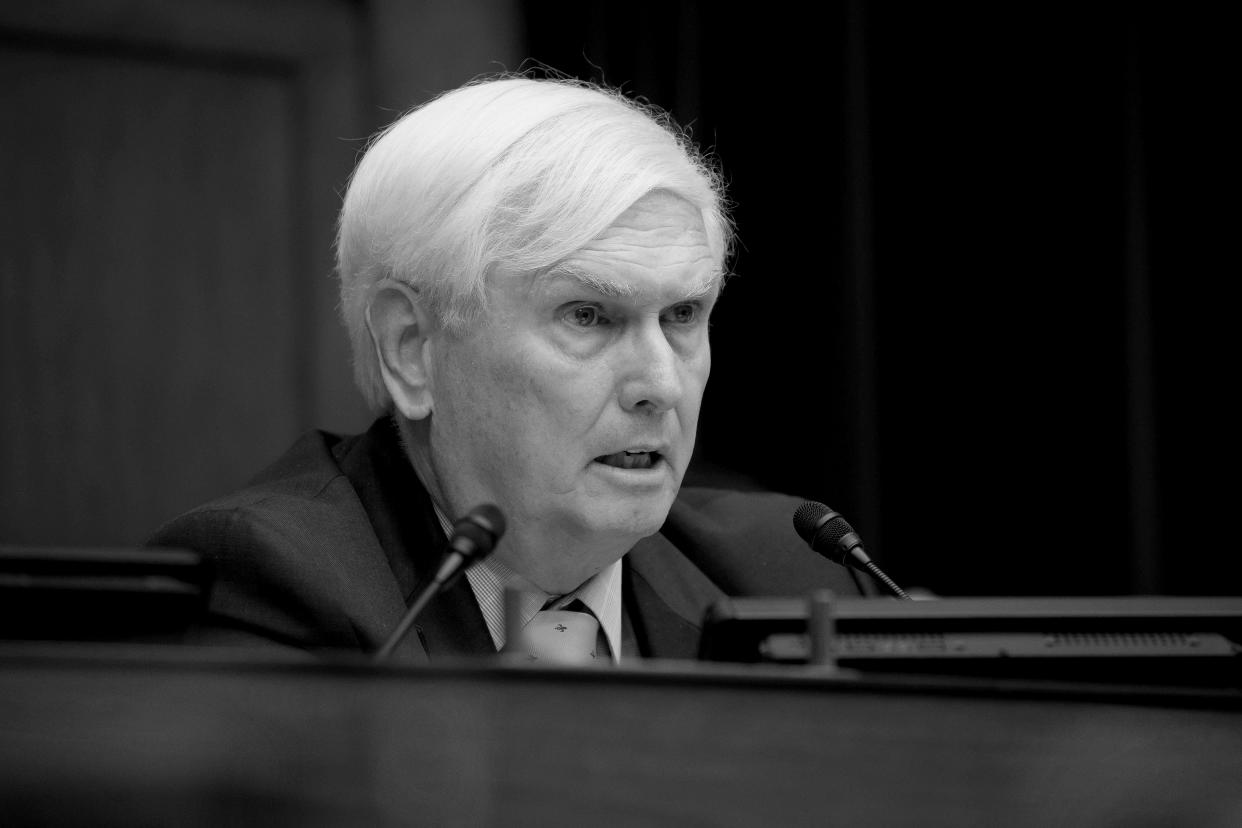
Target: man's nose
x,y
651,375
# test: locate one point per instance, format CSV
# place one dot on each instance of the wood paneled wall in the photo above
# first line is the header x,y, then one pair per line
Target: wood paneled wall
x,y
171,175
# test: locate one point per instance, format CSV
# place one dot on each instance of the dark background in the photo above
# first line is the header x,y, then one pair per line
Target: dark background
x,y
979,304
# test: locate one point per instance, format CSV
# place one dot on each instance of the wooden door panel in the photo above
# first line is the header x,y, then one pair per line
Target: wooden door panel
x,y
166,311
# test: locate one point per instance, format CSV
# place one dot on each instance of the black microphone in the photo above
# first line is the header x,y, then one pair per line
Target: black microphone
x,y
831,536
473,539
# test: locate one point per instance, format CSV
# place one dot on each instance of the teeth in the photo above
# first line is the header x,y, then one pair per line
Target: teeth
x,y
630,459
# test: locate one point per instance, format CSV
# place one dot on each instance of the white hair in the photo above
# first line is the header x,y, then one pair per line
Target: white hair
x,y
513,173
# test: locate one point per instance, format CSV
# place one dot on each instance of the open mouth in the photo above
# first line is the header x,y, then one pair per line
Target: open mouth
x,y
630,459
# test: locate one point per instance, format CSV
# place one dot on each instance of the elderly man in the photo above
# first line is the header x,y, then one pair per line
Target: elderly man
x,y
527,272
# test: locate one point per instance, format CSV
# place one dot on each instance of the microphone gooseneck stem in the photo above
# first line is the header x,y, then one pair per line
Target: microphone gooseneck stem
x,y
407,621
472,539
879,575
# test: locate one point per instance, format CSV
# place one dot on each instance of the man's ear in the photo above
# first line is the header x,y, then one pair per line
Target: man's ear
x,y
400,330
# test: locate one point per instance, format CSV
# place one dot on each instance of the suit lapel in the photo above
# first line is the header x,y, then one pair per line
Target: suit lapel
x,y
453,624
666,597
409,532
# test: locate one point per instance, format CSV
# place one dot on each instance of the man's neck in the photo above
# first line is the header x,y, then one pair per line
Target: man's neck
x,y
545,559
557,563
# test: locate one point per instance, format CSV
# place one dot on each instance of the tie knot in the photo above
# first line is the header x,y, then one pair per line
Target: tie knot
x,y
563,603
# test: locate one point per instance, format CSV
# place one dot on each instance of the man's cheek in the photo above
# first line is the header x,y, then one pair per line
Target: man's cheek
x,y
571,395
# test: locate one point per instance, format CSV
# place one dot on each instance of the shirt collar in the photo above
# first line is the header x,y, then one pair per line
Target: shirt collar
x,y
489,577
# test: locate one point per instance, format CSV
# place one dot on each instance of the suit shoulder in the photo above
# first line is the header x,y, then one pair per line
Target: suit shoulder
x,y
304,470
300,507
746,543
734,507
271,520
287,551
307,471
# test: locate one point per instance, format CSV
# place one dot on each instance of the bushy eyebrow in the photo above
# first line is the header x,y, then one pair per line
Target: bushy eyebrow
x,y
616,290
605,287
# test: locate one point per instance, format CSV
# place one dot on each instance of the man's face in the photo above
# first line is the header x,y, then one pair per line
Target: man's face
x,y
573,404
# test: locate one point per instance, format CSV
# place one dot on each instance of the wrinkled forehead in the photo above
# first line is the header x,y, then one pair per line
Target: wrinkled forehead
x,y
657,251
659,245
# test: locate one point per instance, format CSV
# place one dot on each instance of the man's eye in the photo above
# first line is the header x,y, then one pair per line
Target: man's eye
x,y
586,316
684,313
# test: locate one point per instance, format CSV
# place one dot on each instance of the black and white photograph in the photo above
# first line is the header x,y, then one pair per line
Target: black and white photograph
x,y
533,412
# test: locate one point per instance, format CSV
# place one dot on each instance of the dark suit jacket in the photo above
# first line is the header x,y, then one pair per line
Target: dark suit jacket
x,y
327,546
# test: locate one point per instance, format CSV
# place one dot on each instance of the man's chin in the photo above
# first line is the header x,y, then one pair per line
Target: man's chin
x,y
639,530
633,521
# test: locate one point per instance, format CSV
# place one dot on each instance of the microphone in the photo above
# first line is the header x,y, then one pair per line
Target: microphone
x,y
473,539
831,536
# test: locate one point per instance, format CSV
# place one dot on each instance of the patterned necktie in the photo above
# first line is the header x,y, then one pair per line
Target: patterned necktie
x,y
564,636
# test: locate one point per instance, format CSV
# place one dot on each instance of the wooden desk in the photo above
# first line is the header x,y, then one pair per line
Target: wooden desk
x,y
191,738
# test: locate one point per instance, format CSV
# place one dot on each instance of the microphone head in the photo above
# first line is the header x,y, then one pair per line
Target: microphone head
x,y
476,534
831,535
489,517
817,524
